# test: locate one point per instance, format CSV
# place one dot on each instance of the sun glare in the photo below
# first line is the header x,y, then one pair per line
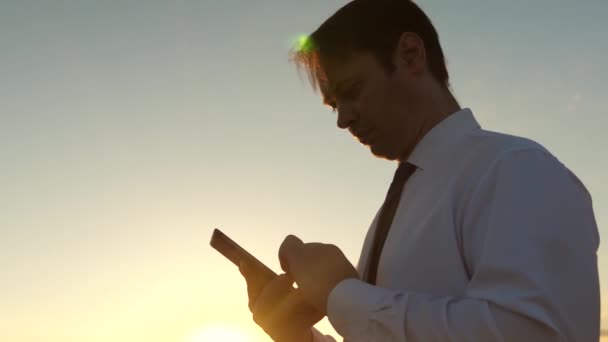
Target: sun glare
x,y
220,333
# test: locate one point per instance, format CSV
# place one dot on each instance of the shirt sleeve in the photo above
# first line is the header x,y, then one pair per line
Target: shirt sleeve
x,y
530,239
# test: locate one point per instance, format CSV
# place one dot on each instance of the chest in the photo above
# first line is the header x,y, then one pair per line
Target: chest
x,y
423,250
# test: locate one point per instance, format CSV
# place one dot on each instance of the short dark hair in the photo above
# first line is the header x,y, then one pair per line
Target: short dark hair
x,y
368,26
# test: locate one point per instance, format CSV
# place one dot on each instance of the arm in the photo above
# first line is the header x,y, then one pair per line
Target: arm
x,y
531,241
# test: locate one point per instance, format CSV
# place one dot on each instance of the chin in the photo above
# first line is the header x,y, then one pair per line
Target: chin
x,y
382,154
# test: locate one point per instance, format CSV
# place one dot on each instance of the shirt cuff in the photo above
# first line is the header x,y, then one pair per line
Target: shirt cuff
x,y
351,304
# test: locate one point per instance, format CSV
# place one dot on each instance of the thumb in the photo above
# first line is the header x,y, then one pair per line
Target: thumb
x,y
243,268
289,251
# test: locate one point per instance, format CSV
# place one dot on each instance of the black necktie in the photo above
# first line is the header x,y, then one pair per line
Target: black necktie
x,y
404,171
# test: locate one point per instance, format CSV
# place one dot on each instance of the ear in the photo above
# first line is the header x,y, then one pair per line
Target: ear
x,y
410,53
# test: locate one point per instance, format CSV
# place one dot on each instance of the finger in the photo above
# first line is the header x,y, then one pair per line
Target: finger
x,y
267,319
255,283
274,292
289,250
243,269
294,306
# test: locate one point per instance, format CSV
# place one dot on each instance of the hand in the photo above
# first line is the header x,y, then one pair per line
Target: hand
x,y
317,268
278,308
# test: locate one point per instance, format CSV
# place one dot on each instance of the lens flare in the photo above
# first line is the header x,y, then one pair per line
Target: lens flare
x,y
304,43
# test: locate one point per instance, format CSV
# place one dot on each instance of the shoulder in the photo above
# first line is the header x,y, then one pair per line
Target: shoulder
x,y
491,151
494,146
502,167
483,153
516,160
520,182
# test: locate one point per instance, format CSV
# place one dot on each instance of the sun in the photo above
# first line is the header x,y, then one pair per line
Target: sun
x,y
220,333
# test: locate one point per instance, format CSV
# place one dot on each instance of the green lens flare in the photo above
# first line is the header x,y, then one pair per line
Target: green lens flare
x,y
304,44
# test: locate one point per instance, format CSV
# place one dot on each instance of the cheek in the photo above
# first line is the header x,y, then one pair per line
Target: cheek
x,y
387,112
372,109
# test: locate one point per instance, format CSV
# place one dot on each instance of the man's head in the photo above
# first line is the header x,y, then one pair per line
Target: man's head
x,y
379,64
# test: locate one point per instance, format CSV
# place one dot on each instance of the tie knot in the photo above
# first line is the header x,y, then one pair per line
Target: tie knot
x,y
403,172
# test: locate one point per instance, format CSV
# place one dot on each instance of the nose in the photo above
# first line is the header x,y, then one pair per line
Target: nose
x,y
346,116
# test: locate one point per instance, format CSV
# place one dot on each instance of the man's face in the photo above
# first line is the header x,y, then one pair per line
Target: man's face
x,y
378,107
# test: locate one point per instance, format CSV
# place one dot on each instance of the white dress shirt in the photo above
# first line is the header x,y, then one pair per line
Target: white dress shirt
x,y
494,239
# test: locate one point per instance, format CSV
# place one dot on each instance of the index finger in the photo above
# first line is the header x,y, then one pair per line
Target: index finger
x,y
255,282
294,306
289,249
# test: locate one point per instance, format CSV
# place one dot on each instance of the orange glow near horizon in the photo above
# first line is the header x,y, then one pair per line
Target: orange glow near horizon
x,y
227,331
221,332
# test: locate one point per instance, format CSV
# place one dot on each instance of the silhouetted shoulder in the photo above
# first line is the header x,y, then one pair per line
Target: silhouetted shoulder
x,y
490,150
496,144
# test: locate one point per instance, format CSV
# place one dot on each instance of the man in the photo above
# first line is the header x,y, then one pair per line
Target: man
x,y
483,236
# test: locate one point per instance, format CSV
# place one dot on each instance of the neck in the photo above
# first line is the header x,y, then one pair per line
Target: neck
x,y
434,107
439,106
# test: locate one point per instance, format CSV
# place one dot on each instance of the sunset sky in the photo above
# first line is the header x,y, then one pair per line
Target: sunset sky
x,y
129,130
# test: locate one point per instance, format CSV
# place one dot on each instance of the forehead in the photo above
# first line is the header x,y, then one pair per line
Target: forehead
x,y
339,71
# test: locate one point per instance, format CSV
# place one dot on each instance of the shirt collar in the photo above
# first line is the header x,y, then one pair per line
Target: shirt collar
x,y
438,142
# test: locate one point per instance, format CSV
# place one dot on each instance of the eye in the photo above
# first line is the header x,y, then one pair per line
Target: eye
x,y
332,104
350,93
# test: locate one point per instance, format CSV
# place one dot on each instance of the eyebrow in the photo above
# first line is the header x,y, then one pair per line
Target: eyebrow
x,y
331,91
338,86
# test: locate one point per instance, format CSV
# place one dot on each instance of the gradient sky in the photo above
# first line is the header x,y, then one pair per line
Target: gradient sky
x,y
129,130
